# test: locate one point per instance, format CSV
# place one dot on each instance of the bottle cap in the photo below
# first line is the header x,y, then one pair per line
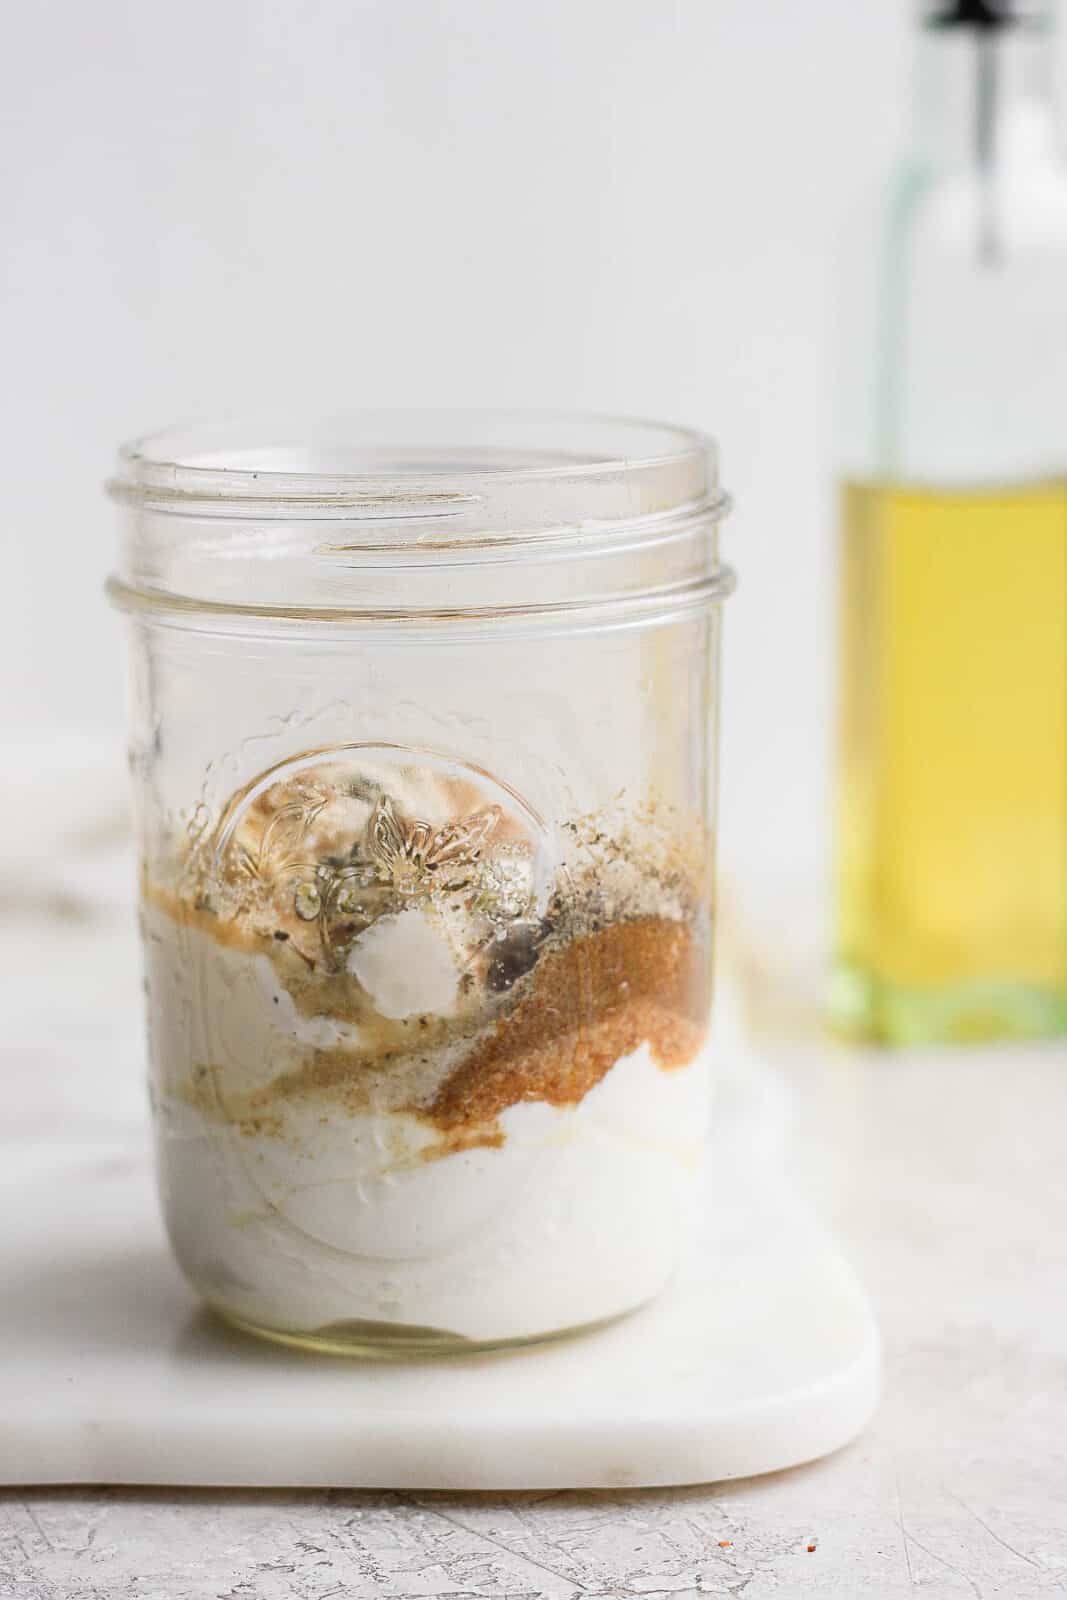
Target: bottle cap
x,y
984,13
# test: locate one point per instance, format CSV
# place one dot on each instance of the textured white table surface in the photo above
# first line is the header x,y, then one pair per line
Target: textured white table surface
x,y
945,1176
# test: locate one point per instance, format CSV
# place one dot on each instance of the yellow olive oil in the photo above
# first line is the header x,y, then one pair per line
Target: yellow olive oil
x,y
952,778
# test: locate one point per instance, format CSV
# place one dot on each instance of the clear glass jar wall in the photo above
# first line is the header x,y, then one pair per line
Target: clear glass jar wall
x,y
423,734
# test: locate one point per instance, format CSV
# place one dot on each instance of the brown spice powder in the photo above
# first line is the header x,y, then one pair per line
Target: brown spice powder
x,y
591,1001
585,1004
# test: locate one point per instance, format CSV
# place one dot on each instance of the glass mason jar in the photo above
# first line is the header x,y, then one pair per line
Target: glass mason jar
x,y
423,736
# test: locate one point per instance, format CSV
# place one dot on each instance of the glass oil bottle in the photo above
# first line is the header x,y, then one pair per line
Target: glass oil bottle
x,y
951,838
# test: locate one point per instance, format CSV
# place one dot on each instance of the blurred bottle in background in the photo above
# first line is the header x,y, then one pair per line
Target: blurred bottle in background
x,y
952,780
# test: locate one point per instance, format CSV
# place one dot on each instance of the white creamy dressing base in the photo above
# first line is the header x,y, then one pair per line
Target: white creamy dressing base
x,y
579,1215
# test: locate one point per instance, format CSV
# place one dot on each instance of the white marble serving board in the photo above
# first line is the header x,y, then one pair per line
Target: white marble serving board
x,y
762,1354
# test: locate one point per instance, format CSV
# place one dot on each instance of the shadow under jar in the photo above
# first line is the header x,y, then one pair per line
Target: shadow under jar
x,y
423,736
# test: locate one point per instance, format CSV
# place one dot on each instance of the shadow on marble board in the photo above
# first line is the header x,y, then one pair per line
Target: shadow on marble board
x,y
126,1303
134,1302
121,1301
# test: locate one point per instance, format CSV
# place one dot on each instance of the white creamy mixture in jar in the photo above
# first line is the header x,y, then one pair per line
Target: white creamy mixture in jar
x,y
418,1079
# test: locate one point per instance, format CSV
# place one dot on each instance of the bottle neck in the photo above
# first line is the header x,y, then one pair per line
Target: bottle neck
x,y
985,96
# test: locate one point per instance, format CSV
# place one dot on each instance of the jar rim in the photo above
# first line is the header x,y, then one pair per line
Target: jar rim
x,y
415,463
444,518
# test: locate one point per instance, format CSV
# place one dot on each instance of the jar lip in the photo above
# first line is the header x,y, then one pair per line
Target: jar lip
x,y
435,515
413,464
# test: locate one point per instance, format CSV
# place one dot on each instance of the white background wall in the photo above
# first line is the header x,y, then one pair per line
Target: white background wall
x,y
618,204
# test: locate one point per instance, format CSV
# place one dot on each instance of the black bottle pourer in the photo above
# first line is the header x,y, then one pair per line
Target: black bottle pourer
x,y
983,13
